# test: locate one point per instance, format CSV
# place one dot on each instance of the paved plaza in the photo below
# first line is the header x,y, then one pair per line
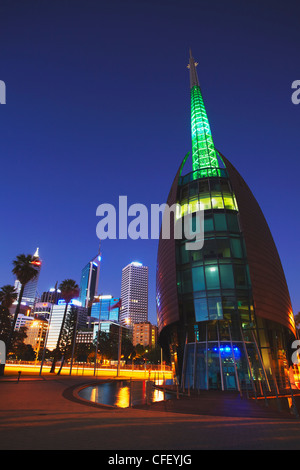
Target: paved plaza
x,y
45,413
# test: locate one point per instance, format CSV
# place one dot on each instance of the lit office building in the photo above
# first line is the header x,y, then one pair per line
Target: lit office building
x,y
106,308
144,333
224,312
134,294
51,296
23,321
43,309
89,281
56,319
36,334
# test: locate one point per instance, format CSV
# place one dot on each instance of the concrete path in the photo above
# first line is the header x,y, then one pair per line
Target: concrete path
x,y
43,413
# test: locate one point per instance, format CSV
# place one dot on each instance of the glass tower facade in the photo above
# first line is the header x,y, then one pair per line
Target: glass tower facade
x,y
89,281
224,314
106,309
214,286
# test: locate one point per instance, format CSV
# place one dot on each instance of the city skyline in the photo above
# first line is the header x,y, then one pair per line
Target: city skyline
x,y
59,142
113,115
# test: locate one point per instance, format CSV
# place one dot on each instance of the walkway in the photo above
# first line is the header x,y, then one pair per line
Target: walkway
x,y
42,413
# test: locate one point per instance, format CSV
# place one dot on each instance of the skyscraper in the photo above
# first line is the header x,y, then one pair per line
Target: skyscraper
x,y
30,291
89,281
224,312
134,294
106,308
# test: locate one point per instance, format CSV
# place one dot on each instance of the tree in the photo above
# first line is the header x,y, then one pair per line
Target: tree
x,y
24,352
5,324
68,333
8,295
19,347
153,355
107,345
85,351
128,349
25,271
69,290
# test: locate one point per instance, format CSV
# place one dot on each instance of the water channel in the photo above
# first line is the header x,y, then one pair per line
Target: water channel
x,y
125,393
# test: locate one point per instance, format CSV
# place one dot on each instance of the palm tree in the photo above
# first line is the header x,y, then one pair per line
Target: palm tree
x,y
8,295
69,290
25,270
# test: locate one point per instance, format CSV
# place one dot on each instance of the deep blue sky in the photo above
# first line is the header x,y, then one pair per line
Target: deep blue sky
x,y
98,106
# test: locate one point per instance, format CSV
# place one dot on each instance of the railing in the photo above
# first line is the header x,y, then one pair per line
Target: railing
x,y
203,173
91,365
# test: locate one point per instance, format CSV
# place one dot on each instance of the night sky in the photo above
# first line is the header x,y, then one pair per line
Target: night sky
x,y
98,106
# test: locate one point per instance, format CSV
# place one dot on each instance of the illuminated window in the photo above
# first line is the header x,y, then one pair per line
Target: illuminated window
x,y
193,205
205,203
201,311
217,202
212,277
215,308
229,202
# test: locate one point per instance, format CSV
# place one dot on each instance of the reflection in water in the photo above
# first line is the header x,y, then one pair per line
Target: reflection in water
x,y
94,394
122,397
124,393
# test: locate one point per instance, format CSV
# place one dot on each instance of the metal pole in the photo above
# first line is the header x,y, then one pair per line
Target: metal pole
x,y
119,350
248,362
220,358
275,381
130,393
74,342
234,361
195,363
184,363
261,361
206,345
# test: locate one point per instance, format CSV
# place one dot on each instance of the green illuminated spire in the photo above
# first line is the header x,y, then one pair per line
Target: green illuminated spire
x,y
204,154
